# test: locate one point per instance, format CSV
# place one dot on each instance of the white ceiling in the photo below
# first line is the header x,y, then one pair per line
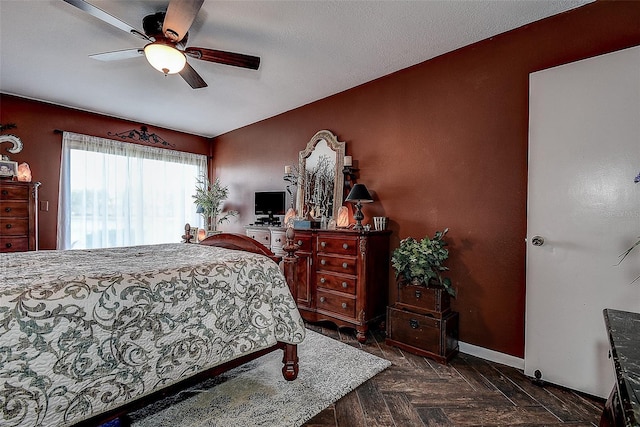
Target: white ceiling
x,y
309,50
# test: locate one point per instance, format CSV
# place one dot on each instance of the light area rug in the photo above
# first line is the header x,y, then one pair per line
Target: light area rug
x,y
256,394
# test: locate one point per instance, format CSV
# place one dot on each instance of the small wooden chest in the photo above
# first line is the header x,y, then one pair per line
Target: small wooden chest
x,y
422,334
421,299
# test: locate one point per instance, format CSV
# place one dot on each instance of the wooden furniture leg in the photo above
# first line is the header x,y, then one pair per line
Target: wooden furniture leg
x,y
361,333
290,360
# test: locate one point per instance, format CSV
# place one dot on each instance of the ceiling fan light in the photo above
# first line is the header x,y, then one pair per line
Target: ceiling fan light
x,y
165,58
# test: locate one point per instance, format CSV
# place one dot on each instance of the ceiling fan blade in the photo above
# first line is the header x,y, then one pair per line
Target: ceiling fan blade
x,y
179,17
192,77
118,55
104,16
222,57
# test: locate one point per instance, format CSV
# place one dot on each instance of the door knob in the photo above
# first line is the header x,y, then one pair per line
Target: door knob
x,y
537,241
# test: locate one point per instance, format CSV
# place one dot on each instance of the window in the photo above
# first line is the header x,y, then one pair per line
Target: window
x,y
114,193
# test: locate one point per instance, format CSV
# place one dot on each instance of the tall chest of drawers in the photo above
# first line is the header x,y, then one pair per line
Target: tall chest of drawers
x,y
343,276
18,216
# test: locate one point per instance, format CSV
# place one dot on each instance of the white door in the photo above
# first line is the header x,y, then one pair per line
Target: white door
x,y
584,153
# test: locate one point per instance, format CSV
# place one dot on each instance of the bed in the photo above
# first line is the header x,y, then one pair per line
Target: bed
x,y
88,335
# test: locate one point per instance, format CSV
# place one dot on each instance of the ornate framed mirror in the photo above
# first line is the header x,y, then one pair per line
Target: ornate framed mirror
x,y
320,181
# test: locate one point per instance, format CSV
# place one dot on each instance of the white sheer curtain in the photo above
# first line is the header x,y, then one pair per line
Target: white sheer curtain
x,y
114,193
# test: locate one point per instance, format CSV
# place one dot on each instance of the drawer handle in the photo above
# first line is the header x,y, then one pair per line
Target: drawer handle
x,y
344,305
345,246
322,299
323,244
299,242
344,284
8,245
345,265
414,324
266,237
9,225
322,280
7,209
418,293
278,240
5,192
323,262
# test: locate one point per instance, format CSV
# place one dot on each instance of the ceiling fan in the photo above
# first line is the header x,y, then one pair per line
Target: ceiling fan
x,y
166,34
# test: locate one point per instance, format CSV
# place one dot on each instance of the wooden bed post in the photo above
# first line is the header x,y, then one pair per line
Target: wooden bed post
x,y
290,262
289,266
187,236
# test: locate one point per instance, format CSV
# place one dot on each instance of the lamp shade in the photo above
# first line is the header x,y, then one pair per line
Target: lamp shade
x,y
359,193
165,58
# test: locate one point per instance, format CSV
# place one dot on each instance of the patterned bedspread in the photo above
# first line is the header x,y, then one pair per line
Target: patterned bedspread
x,y
84,331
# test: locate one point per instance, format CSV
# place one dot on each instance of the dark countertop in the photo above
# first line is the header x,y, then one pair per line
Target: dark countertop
x,y
623,328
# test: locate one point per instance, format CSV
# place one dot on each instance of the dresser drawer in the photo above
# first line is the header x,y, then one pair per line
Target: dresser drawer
x,y
14,226
337,283
11,192
335,303
337,245
14,244
14,209
304,242
278,240
262,236
346,265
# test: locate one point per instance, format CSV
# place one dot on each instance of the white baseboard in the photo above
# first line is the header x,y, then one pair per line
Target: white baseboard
x,y
491,355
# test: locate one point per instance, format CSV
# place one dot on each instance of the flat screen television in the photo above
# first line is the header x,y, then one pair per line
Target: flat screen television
x,y
270,203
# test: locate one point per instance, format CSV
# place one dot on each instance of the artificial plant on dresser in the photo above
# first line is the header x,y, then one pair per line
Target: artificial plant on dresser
x,y
421,320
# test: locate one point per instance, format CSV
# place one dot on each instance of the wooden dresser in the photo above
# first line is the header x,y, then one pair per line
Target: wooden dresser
x,y
343,276
18,216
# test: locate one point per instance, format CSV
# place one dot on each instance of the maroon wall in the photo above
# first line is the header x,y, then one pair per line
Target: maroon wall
x,y
36,122
443,144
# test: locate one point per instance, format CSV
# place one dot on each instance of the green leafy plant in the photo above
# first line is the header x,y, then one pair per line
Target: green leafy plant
x,y
423,261
209,197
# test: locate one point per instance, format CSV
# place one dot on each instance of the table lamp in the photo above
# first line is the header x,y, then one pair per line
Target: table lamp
x,y
359,195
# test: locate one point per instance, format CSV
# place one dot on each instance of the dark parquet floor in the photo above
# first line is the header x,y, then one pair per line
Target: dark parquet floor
x,y
469,391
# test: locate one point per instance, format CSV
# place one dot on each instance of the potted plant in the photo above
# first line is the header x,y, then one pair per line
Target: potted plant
x,y
209,198
422,262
